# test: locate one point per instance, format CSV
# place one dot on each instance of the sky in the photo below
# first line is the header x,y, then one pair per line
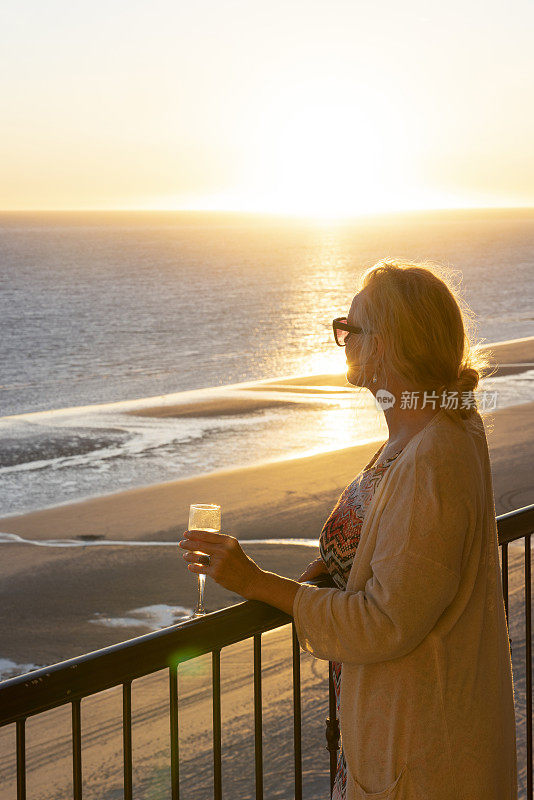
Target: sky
x,y
324,108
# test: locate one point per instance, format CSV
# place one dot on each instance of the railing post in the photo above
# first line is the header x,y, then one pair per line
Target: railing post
x,y
258,744
21,759
504,576
76,750
217,747
297,715
332,727
528,658
127,738
175,759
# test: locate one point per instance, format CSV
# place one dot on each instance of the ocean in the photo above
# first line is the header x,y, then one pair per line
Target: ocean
x,y
99,309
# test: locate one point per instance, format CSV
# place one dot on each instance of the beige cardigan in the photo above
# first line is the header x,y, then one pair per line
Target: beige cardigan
x,y
427,705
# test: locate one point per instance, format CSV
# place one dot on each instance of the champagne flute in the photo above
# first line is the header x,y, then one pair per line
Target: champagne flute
x,y
203,517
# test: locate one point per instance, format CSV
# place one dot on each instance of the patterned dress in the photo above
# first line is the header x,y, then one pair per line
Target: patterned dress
x,y
338,542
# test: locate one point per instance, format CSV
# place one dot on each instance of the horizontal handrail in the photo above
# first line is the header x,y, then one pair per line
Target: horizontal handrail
x,y
515,524
49,687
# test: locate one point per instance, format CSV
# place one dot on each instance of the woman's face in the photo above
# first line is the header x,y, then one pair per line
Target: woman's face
x,y
353,347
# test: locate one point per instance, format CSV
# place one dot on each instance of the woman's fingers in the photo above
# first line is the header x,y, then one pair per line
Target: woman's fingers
x,y
202,546
197,568
198,562
206,536
198,557
313,570
206,541
228,564
200,569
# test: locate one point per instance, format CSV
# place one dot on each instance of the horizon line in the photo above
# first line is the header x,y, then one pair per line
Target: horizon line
x,y
267,212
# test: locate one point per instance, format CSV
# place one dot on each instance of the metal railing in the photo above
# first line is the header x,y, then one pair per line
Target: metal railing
x,y
71,681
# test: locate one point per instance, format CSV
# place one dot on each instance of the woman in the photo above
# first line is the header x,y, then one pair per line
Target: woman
x,y
416,626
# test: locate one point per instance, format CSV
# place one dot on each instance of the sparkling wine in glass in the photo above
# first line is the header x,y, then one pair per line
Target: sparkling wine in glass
x,y
203,517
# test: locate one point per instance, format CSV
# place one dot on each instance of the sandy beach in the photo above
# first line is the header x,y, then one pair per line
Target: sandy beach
x,y
54,600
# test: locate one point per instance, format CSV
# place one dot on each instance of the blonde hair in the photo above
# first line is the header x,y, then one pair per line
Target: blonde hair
x,y
427,329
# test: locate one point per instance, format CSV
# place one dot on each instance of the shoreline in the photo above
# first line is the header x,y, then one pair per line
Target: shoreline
x,y
509,357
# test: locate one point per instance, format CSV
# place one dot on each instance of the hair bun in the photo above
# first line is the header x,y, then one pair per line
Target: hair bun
x,y
468,379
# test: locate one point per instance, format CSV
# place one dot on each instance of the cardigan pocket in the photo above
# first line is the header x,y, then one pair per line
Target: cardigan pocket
x,y
391,792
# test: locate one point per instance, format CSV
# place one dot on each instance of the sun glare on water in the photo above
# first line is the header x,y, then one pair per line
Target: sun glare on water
x,y
322,363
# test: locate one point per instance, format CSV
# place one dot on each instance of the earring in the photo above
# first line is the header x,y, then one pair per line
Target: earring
x,y
374,378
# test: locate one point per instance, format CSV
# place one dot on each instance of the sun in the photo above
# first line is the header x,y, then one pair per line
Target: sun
x,y
330,152
326,151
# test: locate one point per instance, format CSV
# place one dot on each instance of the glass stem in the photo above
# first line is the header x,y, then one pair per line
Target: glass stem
x,y
200,600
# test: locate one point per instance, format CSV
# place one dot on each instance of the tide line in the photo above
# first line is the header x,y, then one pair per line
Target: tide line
x,y
13,538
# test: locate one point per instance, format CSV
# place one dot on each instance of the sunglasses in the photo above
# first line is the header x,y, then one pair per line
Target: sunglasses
x,y
342,330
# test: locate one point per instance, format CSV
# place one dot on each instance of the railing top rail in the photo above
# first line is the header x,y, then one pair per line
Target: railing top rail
x,y
49,687
515,524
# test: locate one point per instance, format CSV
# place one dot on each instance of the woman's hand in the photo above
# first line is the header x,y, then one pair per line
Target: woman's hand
x,y
229,566
313,570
